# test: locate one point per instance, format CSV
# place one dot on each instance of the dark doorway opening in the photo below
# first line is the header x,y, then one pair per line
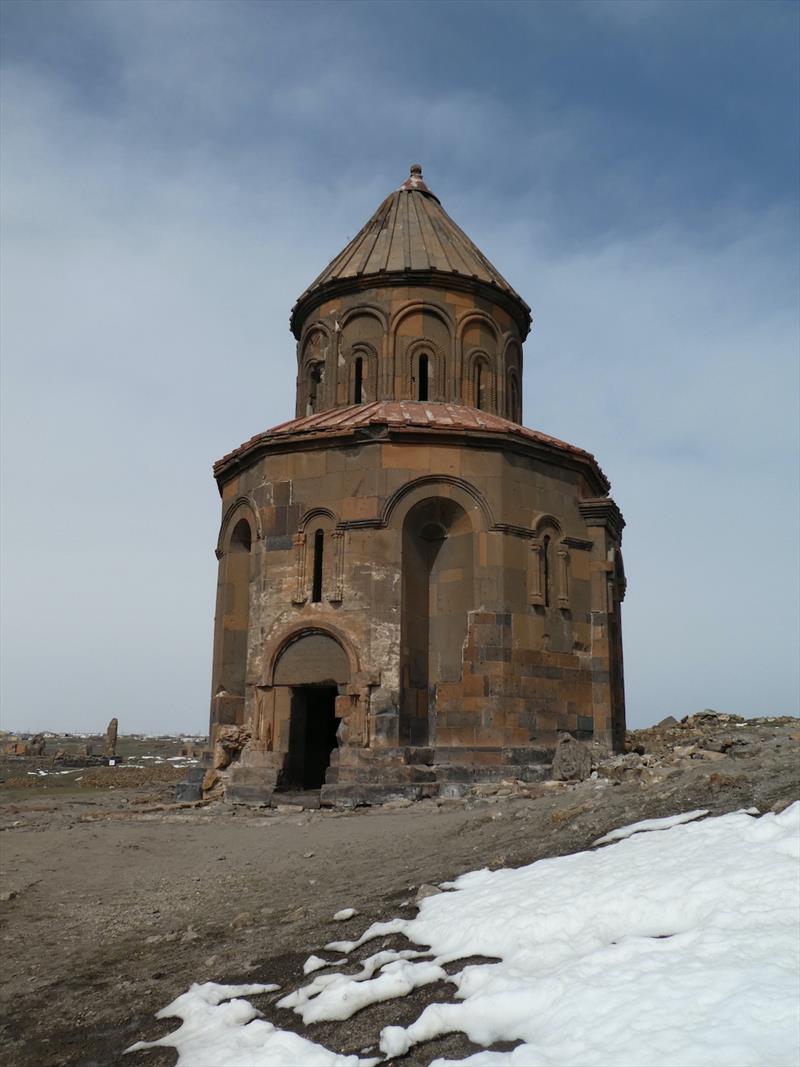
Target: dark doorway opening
x,y
312,735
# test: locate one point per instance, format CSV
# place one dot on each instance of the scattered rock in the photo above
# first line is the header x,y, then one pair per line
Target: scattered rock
x,y
681,751
344,915
229,743
572,761
8,895
485,789
625,767
710,717
426,891
241,921
565,815
296,915
718,782
716,744
669,721
210,779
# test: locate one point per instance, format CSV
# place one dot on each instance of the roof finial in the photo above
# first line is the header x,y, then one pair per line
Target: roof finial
x,y
415,183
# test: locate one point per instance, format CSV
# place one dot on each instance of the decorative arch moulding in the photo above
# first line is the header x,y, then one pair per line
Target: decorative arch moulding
x,y
370,310
475,358
316,513
471,315
241,507
425,481
415,307
543,521
436,384
278,645
506,340
318,326
512,304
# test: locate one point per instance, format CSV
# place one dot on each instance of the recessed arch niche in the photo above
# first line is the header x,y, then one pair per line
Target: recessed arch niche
x,y
236,543
438,593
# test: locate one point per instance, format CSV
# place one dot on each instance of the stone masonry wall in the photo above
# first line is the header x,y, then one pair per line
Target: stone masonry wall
x,y
536,660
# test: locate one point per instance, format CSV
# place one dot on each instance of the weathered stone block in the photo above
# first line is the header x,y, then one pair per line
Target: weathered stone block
x,y
572,760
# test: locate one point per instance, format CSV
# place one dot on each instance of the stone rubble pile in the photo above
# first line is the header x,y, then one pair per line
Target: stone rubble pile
x,y
660,752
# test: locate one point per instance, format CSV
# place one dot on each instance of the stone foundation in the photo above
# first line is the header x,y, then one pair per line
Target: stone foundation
x,y
364,776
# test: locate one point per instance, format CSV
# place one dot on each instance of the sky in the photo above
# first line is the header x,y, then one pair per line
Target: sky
x,y
175,173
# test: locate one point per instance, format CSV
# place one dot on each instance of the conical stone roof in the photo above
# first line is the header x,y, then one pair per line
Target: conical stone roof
x,y
409,240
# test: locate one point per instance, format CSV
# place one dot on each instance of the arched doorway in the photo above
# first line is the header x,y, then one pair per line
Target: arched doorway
x,y
311,669
438,578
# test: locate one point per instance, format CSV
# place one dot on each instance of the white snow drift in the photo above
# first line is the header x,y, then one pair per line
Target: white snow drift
x,y
676,946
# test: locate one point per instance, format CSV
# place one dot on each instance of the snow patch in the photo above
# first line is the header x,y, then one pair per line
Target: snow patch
x,y
338,996
672,948
650,824
220,1029
316,963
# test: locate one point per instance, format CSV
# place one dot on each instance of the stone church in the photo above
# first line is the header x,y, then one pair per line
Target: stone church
x,y
416,592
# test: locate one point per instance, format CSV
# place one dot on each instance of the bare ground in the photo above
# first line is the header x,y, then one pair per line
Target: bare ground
x,y
110,910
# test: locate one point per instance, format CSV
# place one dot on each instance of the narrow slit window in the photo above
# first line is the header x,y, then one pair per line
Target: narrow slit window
x,y
479,398
358,372
314,388
422,386
316,583
514,398
546,571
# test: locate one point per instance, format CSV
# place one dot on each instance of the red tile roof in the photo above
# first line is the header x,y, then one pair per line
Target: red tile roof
x,y
403,414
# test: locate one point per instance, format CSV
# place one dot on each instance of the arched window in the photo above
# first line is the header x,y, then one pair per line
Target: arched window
x,y
316,581
358,372
422,382
316,377
241,537
547,570
514,412
482,385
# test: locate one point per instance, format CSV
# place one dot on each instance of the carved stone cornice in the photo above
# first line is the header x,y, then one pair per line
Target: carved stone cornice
x,y
580,543
603,511
510,302
514,440
514,530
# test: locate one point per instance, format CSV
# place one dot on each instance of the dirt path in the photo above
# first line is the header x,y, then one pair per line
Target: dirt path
x,y
110,919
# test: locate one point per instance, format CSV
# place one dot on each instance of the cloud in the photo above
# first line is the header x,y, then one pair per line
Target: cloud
x,y
678,368
175,174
